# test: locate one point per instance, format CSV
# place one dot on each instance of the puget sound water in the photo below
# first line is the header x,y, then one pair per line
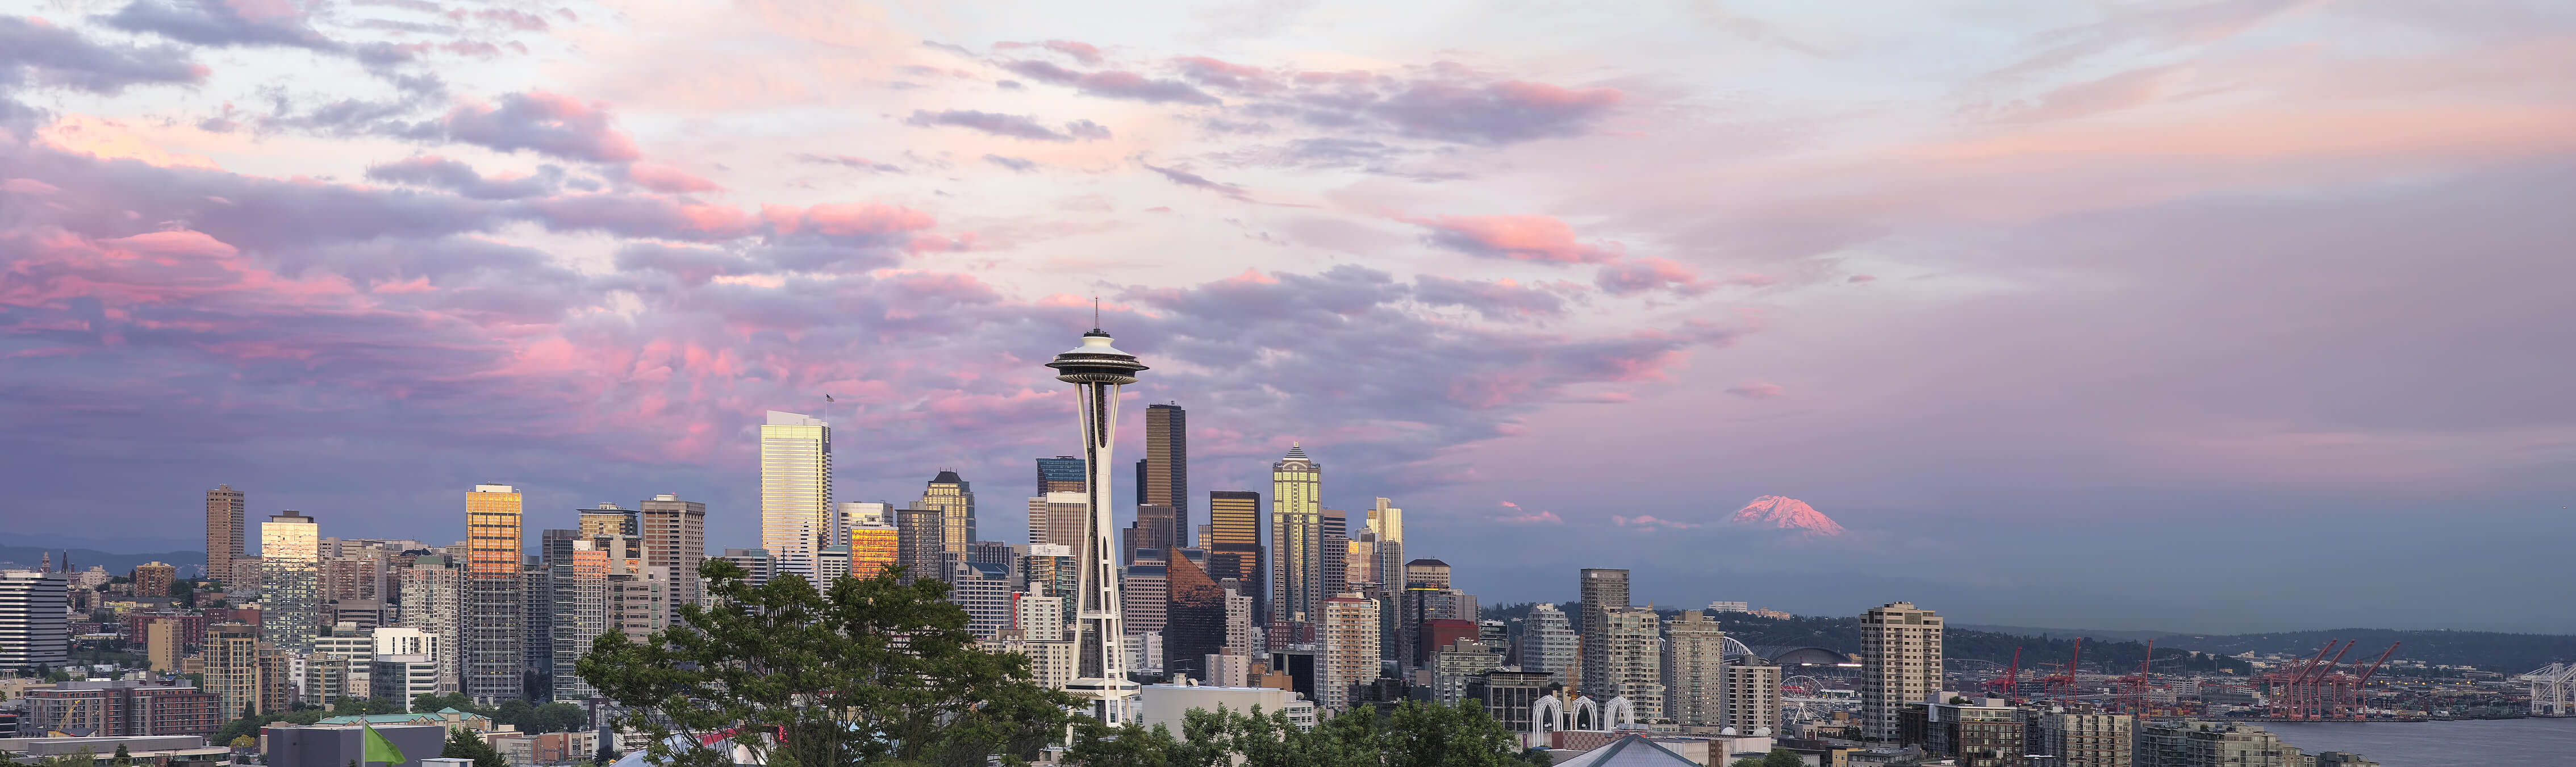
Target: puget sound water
x,y
2469,743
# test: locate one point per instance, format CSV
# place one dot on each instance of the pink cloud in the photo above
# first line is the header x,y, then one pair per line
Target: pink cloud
x,y
1639,275
543,122
1859,278
1524,237
669,180
1756,390
846,219
1513,514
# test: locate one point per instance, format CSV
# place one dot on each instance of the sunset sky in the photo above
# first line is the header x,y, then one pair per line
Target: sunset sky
x,y
2223,316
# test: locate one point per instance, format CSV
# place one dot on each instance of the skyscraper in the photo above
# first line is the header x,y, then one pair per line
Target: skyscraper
x,y
955,498
1548,643
580,612
290,578
1334,530
1056,519
1234,547
874,548
1194,619
675,536
33,631
1350,642
1900,662
224,528
1635,659
433,600
1387,522
1694,670
795,490
1098,371
921,544
609,519
1167,469
1296,546
1061,474
1752,692
495,613
1602,591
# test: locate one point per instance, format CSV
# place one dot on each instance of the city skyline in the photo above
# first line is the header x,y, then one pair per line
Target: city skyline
x,y
2102,290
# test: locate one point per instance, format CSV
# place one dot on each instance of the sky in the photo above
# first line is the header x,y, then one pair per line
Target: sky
x,y
2226,315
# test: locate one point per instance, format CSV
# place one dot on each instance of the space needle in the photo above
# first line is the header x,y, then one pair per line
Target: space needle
x,y
1097,370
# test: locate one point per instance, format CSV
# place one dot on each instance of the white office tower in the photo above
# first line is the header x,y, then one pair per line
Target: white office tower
x,y
33,631
1098,371
796,514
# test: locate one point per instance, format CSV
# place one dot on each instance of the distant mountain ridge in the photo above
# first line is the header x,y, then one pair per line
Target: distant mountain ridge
x,y
1788,514
27,557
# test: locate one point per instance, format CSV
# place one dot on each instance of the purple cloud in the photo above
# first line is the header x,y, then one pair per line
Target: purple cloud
x,y
221,24
543,122
1015,126
46,55
1114,84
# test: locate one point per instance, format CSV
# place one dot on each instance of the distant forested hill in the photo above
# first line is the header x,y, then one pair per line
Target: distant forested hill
x,y
27,557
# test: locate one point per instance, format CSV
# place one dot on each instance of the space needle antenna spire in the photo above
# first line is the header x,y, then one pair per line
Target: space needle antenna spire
x,y
1097,370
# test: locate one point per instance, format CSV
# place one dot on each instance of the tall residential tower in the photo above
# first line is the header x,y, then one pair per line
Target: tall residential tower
x,y
224,530
1602,591
495,647
290,581
1900,662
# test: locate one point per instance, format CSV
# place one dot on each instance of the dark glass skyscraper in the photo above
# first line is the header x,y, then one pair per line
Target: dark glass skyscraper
x,y
1234,546
1194,620
1166,480
1061,474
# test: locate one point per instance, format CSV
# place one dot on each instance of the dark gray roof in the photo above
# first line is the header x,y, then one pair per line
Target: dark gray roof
x,y
1630,751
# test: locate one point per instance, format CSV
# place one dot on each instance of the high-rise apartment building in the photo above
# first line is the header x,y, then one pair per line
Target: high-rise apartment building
x,y
495,646
433,600
153,579
290,581
1900,658
954,498
1602,591
921,543
579,601
1061,474
1241,634
1234,546
2086,739
675,536
1296,546
1167,471
1359,563
795,490
1056,518
245,673
1350,640
983,590
1386,527
225,510
1694,670
33,631
1751,689
1634,659
1548,643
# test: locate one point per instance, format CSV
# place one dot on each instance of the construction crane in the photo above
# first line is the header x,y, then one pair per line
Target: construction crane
x,y
2063,685
2364,678
2012,677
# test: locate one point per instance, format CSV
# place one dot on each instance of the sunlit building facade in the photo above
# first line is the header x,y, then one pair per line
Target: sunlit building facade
x,y
795,490
290,591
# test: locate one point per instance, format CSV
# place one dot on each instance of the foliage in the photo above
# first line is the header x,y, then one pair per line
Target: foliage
x,y
550,717
1779,757
249,724
867,672
244,741
464,744
1416,734
431,703
364,707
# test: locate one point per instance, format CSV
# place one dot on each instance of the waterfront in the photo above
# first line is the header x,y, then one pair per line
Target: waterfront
x,y
2478,743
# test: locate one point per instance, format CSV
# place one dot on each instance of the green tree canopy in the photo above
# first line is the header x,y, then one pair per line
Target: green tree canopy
x,y
464,744
867,672
1416,734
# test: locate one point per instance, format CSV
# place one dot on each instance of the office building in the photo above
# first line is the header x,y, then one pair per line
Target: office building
x,y
756,564
2190,743
675,536
831,565
1350,650
1194,617
1900,656
1633,659
1242,627
984,590
495,647
1056,519
1982,734
1547,643
1451,666
1166,472
609,519
795,490
1061,474
639,597
33,631
403,678
433,600
1296,543
536,625
1602,591
1334,530
873,549
1234,546
1359,563
290,594
1001,553
161,645
1098,371
921,543
1509,695
2086,739
1167,704
955,499
1142,589
1386,531
1750,687
579,582
1694,670
1151,530
1051,570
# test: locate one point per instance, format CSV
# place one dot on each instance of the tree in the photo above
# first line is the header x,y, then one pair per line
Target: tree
x,y
557,717
122,756
1415,734
869,671
430,703
1781,757
243,741
464,744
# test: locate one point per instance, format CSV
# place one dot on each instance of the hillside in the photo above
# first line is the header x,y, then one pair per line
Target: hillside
x,y
27,557
2486,650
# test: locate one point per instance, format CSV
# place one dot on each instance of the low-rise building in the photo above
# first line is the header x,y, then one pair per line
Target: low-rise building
x,y
324,745
123,709
1985,733
1164,704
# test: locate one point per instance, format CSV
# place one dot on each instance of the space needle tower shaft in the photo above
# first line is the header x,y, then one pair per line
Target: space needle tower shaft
x,y
1097,370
